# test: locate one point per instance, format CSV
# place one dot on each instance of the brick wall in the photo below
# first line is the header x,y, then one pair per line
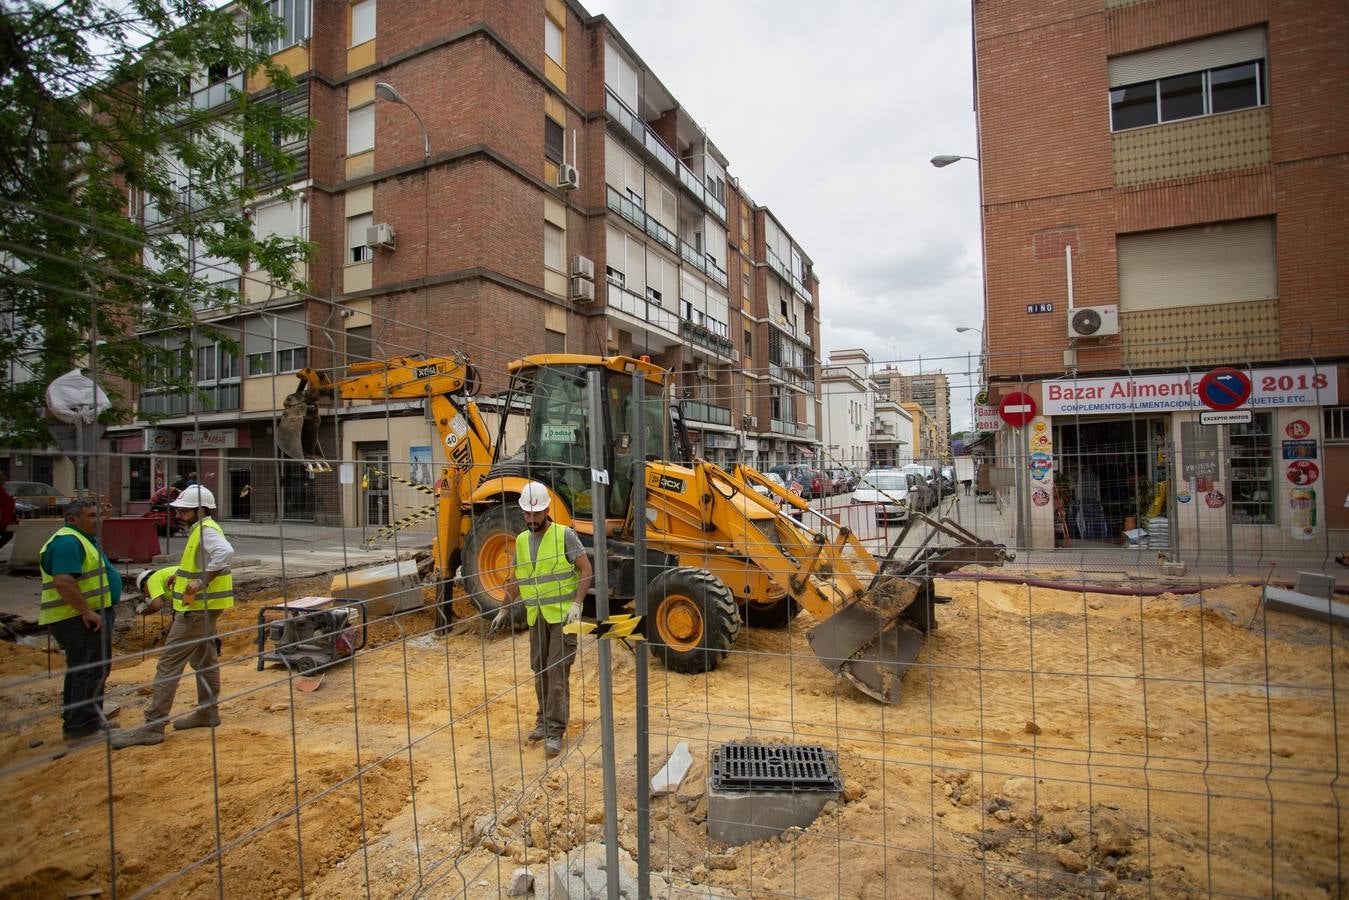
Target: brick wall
x,y
1045,148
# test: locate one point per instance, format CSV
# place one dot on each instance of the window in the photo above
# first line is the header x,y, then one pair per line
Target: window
x,y
553,140
1216,74
552,246
554,341
358,251
359,344
1223,262
362,22
1254,488
745,281
294,16
552,39
290,359
360,129
613,275
749,343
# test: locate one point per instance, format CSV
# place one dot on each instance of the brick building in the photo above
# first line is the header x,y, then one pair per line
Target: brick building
x,y
527,185
1168,174
932,392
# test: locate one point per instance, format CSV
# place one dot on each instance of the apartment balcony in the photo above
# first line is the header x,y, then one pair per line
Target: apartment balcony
x,y
791,429
699,335
777,265
698,411
702,263
641,218
624,300
633,125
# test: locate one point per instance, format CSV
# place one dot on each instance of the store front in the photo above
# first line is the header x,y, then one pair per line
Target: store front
x,y
1126,461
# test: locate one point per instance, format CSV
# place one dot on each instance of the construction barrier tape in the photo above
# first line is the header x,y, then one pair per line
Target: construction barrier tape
x,y
415,485
388,531
615,628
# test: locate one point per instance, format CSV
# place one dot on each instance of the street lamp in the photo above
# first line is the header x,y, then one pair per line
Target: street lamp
x,y
388,92
945,160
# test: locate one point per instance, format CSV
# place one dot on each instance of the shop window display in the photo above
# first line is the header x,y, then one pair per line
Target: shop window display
x,y
1252,460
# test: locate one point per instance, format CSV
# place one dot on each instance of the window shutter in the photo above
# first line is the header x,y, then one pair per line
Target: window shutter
x,y
1192,56
1225,263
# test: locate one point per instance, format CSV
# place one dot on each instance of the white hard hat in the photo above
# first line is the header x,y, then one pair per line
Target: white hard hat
x,y
193,496
142,578
534,498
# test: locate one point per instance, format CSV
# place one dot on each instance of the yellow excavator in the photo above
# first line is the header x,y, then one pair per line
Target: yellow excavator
x,y
719,549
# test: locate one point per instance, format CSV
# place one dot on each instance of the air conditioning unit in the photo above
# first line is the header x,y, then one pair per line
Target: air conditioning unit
x,y
381,235
583,267
749,421
700,370
735,355
568,178
1093,321
582,289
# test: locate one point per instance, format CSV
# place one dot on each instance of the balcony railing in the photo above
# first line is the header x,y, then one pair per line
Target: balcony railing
x,y
703,263
654,145
698,411
794,430
777,265
629,210
622,299
704,338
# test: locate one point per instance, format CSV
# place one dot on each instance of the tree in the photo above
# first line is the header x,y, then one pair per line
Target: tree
x,y
97,118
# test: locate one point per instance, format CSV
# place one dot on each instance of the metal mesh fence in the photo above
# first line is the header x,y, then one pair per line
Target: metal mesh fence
x,y
1108,711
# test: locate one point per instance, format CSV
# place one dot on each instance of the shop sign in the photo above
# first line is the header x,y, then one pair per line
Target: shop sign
x,y
217,439
1226,417
1284,386
1299,449
986,418
751,445
1041,466
157,440
1303,472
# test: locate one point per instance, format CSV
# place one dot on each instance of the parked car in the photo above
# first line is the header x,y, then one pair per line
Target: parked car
x,y
799,474
893,492
948,480
844,481
931,480
36,498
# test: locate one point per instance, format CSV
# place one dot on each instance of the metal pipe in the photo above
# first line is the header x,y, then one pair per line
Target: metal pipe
x,y
639,596
599,481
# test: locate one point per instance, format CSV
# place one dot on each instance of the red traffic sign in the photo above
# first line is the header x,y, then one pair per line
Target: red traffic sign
x,y
1016,409
1224,388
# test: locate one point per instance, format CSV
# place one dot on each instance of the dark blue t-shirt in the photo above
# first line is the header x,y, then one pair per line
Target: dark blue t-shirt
x,y
65,556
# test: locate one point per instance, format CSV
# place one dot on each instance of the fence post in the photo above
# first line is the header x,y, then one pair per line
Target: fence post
x,y
599,481
638,425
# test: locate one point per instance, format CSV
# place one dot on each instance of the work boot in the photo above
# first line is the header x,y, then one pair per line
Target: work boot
x,y
198,718
552,745
145,735
536,735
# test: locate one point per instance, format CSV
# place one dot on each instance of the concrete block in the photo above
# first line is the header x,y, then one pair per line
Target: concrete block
x,y
738,817
1176,569
582,876
386,589
522,884
29,536
672,773
1322,610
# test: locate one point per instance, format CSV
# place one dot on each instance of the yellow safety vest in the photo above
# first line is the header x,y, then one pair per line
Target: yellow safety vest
x,y
219,594
548,584
154,585
92,582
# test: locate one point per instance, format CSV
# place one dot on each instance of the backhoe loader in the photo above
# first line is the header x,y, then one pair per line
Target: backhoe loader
x,y
719,552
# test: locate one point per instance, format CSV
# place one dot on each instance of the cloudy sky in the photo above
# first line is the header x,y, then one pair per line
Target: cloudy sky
x,y
829,116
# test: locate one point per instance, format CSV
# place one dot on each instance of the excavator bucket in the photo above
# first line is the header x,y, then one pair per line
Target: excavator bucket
x,y
873,639
297,432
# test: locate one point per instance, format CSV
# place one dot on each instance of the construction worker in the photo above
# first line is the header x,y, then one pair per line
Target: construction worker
x,y
552,575
80,589
201,589
154,585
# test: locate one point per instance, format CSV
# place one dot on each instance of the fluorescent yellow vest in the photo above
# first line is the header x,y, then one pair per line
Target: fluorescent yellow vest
x,y
154,585
547,585
219,594
92,582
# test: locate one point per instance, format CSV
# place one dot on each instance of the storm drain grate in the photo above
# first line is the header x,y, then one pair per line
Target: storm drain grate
x,y
774,767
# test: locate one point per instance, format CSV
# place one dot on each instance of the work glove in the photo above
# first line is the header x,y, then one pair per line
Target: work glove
x,y
573,614
503,618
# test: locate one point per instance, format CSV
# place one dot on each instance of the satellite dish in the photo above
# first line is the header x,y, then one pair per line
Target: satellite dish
x,y
75,399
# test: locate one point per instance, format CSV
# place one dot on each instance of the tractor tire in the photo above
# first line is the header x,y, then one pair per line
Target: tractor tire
x,y
777,614
489,560
694,621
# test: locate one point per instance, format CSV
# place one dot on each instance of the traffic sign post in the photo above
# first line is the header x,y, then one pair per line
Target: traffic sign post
x,y
1017,409
1224,388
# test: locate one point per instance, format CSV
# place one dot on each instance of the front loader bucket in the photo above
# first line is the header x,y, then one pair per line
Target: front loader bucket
x,y
871,642
297,431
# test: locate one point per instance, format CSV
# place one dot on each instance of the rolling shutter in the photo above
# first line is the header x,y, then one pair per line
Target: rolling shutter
x,y
1192,56
1229,262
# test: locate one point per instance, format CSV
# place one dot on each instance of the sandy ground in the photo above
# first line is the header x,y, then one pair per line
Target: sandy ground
x,y
1054,744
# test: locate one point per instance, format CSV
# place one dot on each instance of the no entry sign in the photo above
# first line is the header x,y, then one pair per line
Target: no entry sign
x,y
1017,408
1224,388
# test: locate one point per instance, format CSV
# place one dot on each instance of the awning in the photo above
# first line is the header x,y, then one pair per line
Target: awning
x,y
807,451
